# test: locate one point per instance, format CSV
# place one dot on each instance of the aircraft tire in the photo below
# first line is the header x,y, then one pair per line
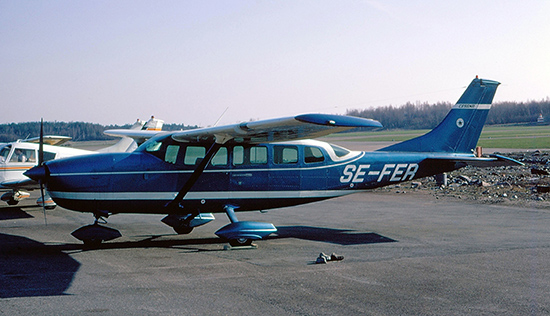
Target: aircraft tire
x,y
239,242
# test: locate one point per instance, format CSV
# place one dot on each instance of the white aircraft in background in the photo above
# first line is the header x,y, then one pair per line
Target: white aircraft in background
x,y
21,155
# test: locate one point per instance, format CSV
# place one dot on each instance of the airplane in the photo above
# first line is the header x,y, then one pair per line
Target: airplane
x,y
21,155
254,166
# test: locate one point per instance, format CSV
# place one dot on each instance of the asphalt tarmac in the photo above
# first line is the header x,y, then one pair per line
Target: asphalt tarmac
x,y
403,255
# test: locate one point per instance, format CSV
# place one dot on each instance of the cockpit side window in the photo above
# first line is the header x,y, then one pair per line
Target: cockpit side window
x,y
23,155
4,153
172,154
313,154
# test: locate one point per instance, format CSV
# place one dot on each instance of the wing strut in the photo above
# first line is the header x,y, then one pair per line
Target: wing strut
x,y
175,203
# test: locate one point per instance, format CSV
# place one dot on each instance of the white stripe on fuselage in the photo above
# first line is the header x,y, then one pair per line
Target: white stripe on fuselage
x,y
206,195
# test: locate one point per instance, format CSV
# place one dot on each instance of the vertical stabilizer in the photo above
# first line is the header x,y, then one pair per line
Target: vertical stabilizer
x,y
460,130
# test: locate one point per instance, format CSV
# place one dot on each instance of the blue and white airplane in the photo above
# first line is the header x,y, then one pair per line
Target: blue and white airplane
x,y
188,175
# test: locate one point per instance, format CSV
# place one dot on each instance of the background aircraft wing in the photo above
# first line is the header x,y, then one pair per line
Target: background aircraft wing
x,y
135,134
275,130
20,184
50,139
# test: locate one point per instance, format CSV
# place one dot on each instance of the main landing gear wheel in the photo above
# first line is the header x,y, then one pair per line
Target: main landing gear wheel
x,y
240,242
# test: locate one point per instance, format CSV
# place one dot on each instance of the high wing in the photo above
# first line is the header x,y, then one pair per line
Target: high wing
x,y
276,130
138,135
53,140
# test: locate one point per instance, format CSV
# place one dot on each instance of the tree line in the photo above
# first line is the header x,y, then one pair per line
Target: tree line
x,y
407,116
78,131
427,116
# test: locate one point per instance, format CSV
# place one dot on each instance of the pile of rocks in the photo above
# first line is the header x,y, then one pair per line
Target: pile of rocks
x,y
527,185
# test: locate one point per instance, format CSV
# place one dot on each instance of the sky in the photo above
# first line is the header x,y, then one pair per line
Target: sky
x,y
188,62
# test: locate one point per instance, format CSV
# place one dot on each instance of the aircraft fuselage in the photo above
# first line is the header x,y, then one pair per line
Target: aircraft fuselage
x,y
247,177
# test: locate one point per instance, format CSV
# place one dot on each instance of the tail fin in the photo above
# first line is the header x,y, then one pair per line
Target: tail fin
x,y
460,130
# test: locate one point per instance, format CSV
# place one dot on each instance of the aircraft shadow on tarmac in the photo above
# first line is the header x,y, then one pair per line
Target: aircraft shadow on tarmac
x,y
9,213
330,235
30,268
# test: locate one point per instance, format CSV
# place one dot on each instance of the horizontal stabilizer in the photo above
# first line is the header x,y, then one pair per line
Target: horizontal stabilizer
x,y
483,162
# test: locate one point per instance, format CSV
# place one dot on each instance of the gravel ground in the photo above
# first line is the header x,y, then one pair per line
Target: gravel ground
x,y
527,185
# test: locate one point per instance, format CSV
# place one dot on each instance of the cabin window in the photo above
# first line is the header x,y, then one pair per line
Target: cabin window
x,y
171,154
49,156
220,158
339,151
285,154
238,155
194,154
255,155
313,154
23,155
258,155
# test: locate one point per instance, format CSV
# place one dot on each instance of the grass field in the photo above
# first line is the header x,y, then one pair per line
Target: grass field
x,y
519,137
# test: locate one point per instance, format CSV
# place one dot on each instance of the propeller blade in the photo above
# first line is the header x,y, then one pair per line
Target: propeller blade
x,y
40,162
43,202
41,144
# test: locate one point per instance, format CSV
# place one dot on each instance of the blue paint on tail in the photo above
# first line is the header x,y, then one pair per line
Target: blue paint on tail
x,y
460,130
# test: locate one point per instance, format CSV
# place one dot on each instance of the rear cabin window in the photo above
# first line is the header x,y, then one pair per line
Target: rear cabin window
x,y
285,154
255,155
339,151
313,154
